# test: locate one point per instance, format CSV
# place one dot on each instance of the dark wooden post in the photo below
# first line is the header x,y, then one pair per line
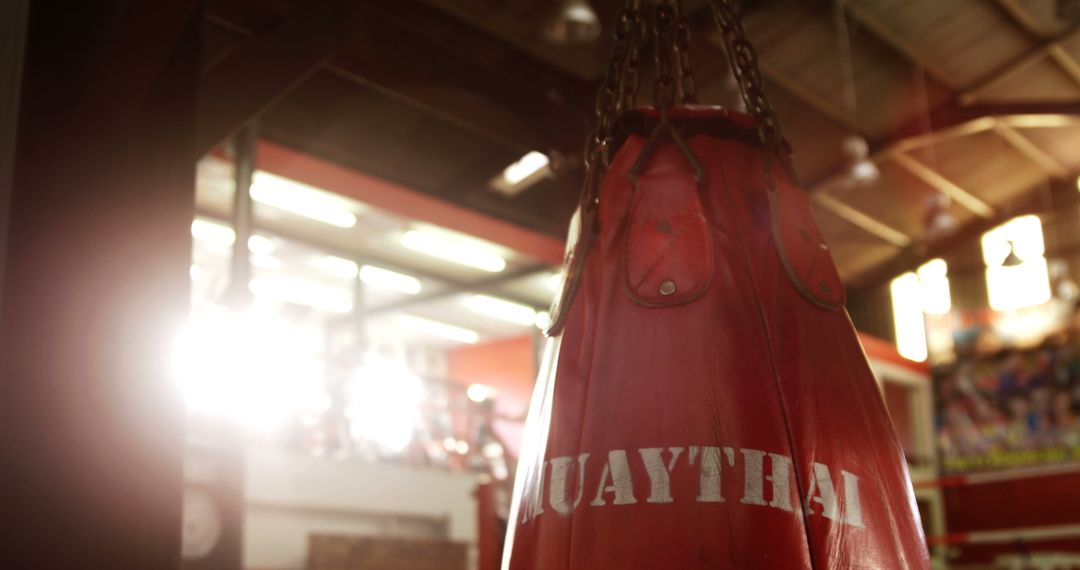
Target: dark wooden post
x,y
95,285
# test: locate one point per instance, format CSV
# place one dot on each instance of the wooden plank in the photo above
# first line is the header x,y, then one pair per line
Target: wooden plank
x,y
1024,146
943,185
862,220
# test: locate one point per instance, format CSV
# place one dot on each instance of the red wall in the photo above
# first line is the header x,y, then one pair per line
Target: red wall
x,y
509,366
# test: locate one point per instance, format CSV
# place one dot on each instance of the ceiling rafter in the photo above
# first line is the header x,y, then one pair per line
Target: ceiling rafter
x,y
1024,146
704,27
863,221
894,41
1055,50
1016,66
942,184
267,68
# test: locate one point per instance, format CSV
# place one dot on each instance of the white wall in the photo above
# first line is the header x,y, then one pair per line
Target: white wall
x,y
291,495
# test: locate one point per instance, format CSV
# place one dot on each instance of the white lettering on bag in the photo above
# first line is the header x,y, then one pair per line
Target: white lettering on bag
x,y
618,469
659,473
767,482
557,496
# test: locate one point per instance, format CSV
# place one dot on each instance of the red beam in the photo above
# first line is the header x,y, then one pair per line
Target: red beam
x,y
406,202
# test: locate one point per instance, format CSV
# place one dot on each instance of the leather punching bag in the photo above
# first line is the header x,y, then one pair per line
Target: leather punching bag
x,y
704,400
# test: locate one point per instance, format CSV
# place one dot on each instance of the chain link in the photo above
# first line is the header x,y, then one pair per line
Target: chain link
x,y
612,95
631,81
664,88
684,69
744,65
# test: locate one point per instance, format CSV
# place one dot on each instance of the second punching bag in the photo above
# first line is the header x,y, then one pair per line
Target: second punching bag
x,y
705,402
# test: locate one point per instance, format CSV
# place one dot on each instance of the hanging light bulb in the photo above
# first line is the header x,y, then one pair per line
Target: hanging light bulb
x,y
861,169
575,22
1012,260
939,220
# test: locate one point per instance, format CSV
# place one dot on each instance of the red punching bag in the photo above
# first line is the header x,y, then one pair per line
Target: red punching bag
x,y
704,400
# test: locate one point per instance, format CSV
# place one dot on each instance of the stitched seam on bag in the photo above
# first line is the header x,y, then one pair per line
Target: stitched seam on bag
x,y
745,255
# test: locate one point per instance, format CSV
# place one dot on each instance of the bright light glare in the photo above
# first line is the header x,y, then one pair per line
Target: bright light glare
x,y
267,262
301,292
525,167
440,329
302,200
1020,286
391,280
1017,286
195,272
255,369
934,283
479,392
543,320
337,266
383,403
1023,235
580,13
261,244
502,309
908,317
455,250
555,282
212,233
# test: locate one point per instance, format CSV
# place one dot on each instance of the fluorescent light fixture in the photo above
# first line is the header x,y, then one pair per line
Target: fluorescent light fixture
x,y
440,329
337,266
934,284
521,174
261,244
301,292
302,200
908,317
212,233
456,250
391,280
502,309
525,167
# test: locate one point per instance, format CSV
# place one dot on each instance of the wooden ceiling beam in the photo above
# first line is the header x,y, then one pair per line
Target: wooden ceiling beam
x,y
1024,146
863,221
1015,66
942,184
529,99
897,43
1055,50
919,252
260,73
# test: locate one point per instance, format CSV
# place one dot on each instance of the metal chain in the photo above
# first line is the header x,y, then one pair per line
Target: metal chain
x,y
684,69
664,88
611,98
744,64
631,81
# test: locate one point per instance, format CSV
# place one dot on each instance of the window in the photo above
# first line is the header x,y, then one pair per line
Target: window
x,y
1016,272
908,316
